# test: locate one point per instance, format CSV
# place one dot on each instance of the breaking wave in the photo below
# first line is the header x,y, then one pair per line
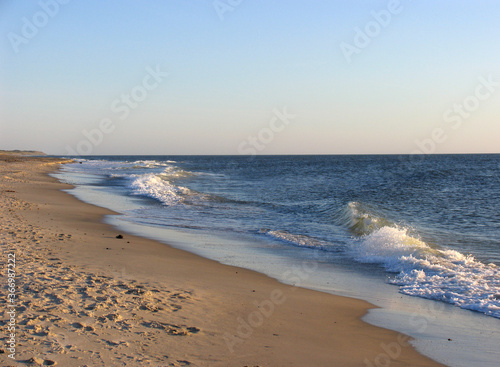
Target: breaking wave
x,y
422,270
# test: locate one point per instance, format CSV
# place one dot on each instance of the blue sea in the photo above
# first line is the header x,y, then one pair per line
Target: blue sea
x,y
418,236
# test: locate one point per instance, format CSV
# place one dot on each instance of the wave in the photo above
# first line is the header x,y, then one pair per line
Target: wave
x,y
172,172
360,219
161,186
152,163
156,187
297,239
421,270
140,164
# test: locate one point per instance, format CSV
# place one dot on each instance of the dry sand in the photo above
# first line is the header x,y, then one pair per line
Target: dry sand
x,y
87,298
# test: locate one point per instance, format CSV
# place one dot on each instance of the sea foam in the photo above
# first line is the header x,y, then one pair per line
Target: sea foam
x,y
154,186
421,270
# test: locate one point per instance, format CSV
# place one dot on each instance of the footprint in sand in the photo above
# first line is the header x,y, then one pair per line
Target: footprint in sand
x,y
171,329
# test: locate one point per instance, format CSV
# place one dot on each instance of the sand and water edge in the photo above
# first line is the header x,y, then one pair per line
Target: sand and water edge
x,y
86,298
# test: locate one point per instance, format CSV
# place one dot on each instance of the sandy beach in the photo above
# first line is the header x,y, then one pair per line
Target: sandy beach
x,y
84,297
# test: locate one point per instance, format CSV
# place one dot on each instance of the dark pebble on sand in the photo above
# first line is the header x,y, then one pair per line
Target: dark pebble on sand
x,y
119,236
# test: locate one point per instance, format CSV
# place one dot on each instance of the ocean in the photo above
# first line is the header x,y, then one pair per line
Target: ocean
x,y
408,233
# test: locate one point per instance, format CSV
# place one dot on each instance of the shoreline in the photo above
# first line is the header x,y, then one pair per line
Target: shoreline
x,y
134,301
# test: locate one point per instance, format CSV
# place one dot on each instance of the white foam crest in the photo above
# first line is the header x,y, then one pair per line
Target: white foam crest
x,y
126,165
104,165
444,275
154,186
386,246
151,163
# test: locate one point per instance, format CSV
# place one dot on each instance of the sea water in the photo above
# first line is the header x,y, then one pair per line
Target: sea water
x,y
418,236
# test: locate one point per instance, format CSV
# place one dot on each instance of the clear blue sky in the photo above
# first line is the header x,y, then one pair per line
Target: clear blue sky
x,y
65,69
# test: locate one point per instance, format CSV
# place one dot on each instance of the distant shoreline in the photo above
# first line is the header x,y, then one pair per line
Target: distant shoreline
x,y
22,152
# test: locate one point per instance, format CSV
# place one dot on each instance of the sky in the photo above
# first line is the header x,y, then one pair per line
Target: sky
x,y
250,76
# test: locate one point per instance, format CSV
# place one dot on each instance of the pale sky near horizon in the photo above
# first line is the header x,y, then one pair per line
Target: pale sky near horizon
x,y
357,76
